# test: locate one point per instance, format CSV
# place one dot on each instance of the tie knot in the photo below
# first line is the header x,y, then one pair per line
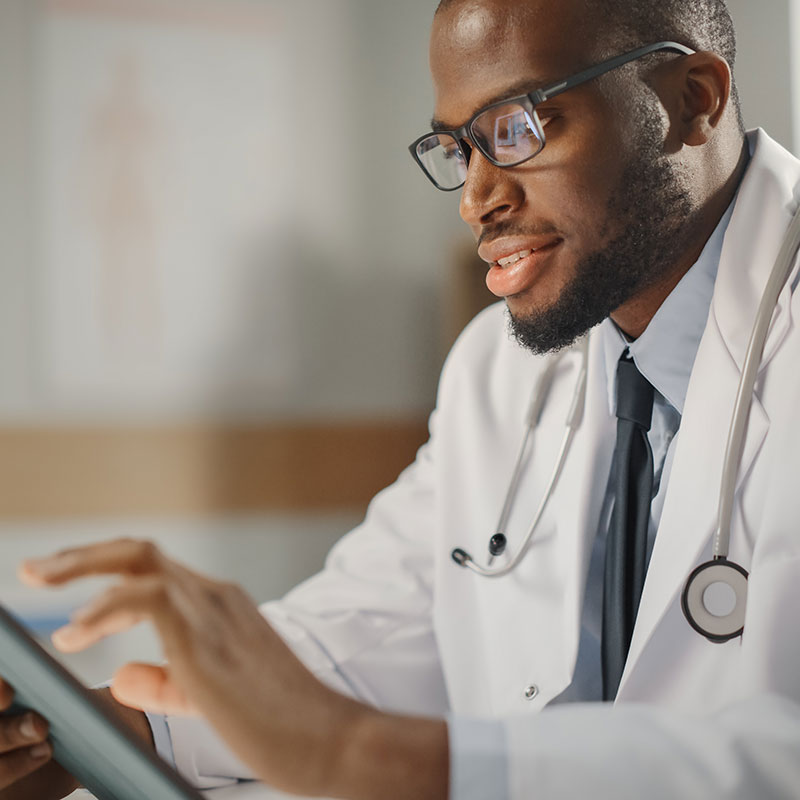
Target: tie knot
x,y
634,394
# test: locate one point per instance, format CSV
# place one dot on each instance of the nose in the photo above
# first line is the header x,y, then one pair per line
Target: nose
x,y
489,192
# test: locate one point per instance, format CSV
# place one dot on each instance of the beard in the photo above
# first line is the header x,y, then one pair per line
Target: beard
x,y
652,208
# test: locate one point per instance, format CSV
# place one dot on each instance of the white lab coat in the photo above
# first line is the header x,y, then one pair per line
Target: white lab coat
x,y
392,620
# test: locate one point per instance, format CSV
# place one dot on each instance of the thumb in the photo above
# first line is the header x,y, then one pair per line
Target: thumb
x,y
149,688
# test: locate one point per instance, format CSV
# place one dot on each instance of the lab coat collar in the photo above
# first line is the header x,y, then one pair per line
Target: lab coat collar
x,y
769,183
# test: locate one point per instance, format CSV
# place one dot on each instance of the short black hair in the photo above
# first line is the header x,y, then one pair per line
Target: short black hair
x,y
699,24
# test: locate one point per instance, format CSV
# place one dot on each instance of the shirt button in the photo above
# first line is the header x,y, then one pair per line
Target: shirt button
x,y
531,691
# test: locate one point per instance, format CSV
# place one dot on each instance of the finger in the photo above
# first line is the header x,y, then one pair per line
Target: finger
x,y
15,766
6,695
122,556
150,688
117,609
21,731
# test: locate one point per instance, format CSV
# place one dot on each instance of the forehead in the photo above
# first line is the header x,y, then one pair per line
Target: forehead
x,y
480,48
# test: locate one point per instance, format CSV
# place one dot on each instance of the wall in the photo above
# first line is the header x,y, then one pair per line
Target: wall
x,y
767,71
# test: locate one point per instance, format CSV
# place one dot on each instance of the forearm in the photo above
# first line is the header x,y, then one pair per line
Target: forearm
x,y
392,757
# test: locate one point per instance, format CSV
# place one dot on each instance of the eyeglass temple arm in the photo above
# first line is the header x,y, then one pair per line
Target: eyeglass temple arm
x,y
606,66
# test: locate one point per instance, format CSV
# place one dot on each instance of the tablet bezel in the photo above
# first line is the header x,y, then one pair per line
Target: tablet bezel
x,y
88,740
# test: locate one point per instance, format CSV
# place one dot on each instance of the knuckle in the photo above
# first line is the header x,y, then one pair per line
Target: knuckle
x,y
148,554
161,590
10,737
234,591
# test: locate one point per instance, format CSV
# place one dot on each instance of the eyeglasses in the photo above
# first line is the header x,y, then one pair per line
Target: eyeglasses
x,y
508,132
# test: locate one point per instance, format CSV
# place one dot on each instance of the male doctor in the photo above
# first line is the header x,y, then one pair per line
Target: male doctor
x,y
630,205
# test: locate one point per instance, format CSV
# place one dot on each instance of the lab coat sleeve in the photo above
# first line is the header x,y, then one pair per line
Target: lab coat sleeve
x,y
363,625
749,750
746,751
478,758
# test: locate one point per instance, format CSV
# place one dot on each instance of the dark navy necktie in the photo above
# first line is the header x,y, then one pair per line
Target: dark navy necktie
x,y
626,546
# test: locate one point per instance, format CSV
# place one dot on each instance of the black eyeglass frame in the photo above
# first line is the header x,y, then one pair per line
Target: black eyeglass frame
x,y
530,101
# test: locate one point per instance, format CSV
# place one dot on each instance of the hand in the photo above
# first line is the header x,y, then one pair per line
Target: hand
x,y
26,766
224,661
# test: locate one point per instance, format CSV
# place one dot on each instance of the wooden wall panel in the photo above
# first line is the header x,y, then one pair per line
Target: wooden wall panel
x,y
199,469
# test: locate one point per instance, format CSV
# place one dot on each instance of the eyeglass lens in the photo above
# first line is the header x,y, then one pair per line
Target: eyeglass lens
x,y
507,134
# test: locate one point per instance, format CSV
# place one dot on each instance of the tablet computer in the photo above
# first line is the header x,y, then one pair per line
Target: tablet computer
x,y
88,740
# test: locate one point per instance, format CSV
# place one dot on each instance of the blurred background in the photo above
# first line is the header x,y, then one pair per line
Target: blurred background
x,y
225,290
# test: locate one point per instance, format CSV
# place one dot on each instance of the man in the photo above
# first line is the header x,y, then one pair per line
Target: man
x,y
649,218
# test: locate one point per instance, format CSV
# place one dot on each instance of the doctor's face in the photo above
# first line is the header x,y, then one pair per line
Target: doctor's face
x,y
602,207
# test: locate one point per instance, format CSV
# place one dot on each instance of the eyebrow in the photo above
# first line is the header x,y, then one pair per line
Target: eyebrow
x,y
515,90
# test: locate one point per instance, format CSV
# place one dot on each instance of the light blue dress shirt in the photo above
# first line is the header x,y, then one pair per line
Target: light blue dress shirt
x,y
665,355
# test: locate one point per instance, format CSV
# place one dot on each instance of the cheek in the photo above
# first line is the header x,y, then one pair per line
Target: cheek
x,y
572,184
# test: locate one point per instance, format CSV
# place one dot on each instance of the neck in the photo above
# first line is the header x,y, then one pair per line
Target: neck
x,y
633,316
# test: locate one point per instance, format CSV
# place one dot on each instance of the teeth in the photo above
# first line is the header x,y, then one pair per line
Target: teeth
x,y
505,262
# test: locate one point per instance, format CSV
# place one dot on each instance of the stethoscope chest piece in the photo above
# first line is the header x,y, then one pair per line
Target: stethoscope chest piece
x,y
714,599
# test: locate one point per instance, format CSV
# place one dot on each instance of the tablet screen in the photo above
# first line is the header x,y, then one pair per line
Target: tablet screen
x,y
88,741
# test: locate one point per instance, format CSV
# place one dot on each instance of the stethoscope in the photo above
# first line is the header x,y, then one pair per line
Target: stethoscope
x,y
714,597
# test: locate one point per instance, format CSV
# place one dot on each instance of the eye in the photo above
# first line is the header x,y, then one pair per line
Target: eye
x,y
453,153
546,115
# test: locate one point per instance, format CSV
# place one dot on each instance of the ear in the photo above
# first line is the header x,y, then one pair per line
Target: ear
x,y
701,87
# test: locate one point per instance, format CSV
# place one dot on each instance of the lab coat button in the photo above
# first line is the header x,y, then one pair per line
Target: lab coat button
x,y
531,691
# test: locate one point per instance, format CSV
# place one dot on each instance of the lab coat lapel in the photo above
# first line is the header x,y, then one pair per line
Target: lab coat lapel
x,y
578,521
539,641
760,218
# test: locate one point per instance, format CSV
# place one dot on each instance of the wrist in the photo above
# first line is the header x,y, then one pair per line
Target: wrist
x,y
379,754
131,717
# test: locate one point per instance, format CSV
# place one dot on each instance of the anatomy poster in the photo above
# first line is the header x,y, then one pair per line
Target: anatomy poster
x,y
169,199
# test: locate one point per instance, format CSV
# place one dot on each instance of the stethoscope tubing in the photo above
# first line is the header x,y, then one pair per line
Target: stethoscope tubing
x,y
744,395
573,421
498,572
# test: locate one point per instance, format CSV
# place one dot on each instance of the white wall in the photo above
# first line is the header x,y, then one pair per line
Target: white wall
x,y
794,36
769,36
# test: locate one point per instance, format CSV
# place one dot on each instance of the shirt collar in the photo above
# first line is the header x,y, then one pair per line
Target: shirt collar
x,y
666,351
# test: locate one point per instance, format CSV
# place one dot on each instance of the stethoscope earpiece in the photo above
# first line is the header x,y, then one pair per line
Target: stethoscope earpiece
x,y
714,599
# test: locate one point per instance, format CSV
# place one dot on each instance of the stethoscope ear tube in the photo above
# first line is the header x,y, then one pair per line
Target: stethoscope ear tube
x,y
744,394
497,543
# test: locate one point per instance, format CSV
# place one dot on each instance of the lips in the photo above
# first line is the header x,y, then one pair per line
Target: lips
x,y
514,268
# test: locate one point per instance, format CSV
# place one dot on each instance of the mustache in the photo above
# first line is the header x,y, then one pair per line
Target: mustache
x,y
491,232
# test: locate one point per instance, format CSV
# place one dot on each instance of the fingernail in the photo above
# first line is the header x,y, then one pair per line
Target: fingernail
x,y
27,728
39,750
63,635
